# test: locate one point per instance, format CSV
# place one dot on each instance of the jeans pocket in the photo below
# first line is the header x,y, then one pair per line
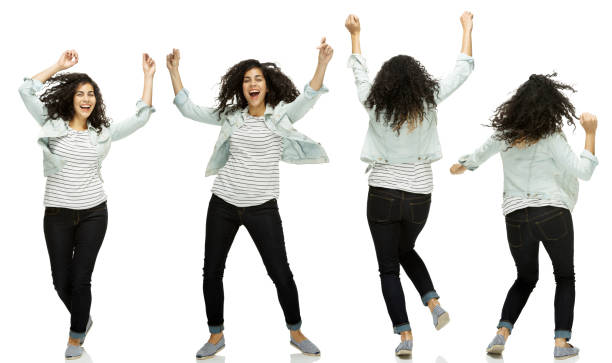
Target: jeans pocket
x,y
51,211
379,208
513,232
419,211
553,227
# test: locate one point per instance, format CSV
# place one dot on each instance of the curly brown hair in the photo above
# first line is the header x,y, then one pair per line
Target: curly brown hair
x,y
402,91
537,109
279,86
59,95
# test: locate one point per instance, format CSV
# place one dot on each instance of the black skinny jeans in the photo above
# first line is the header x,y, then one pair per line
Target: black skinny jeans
x,y
264,224
525,229
74,238
396,218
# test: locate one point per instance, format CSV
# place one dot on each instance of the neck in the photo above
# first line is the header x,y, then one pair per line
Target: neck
x,y
79,124
258,110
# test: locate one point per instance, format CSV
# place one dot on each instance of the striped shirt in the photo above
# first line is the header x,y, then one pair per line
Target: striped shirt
x,y
409,177
250,176
77,185
512,204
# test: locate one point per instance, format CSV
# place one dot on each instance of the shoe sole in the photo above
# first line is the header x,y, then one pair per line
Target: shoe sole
x,y
403,352
212,355
442,321
496,349
566,356
303,352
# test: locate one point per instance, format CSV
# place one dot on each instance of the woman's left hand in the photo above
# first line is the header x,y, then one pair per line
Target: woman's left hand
x,y
325,52
148,65
457,169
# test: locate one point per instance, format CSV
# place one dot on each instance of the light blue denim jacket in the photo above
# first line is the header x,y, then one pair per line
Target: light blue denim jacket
x,y
297,148
382,144
58,127
546,170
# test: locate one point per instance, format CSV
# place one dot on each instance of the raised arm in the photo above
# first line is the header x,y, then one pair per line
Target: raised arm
x,y
472,161
31,86
304,102
584,166
144,107
464,64
356,61
181,100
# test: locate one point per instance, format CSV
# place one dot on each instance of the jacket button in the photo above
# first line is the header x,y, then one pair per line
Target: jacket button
x,y
419,158
379,159
529,195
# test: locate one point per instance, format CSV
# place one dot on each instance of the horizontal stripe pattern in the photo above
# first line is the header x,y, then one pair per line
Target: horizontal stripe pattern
x,y
77,185
251,174
512,204
409,177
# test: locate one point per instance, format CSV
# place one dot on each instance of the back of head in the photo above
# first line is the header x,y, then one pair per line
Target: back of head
x,y
402,91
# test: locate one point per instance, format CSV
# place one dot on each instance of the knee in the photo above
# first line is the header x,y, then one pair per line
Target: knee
x,y
213,271
389,270
565,277
528,282
281,275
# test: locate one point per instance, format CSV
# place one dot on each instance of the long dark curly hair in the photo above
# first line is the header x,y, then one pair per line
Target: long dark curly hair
x,y
537,109
279,86
402,90
59,95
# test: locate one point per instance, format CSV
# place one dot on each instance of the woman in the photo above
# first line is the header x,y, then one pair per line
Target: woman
x,y
400,145
257,107
540,190
75,137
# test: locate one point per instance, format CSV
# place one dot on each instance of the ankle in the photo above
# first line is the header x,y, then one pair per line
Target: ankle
x,y
74,341
297,335
406,335
432,303
561,342
215,337
505,332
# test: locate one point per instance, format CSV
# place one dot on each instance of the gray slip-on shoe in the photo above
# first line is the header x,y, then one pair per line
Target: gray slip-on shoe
x,y
440,317
306,347
209,350
89,324
566,352
404,348
73,352
497,345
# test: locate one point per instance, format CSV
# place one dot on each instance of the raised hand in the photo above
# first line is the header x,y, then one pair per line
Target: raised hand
x,y
325,52
457,169
466,21
352,24
172,60
68,59
148,65
588,122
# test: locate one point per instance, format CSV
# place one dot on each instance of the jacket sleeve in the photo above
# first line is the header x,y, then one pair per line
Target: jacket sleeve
x,y
581,167
190,110
28,91
463,68
303,103
362,80
491,147
124,128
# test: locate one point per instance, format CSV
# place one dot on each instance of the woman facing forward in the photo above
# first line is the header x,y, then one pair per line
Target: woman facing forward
x,y
540,190
75,137
258,105
400,145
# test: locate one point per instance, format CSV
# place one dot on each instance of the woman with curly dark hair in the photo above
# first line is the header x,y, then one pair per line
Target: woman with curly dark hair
x,y
540,190
400,145
75,137
257,106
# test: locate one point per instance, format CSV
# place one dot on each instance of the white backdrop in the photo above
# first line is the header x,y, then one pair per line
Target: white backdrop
x,y
148,304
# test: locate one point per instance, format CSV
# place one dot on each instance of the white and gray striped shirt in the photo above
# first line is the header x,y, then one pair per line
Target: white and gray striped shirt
x,y
512,204
251,174
409,177
77,185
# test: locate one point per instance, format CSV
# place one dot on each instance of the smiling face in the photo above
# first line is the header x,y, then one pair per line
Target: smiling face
x,y
254,87
84,101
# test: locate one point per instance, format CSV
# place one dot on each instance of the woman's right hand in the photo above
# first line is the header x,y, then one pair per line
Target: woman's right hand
x,y
457,169
466,21
352,24
588,122
68,59
172,60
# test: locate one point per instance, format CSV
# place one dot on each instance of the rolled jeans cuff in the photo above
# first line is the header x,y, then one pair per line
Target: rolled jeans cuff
x,y
505,324
401,328
428,296
563,334
75,335
214,329
295,326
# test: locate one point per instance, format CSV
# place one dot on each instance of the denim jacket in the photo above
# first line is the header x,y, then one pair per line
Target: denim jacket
x,y
382,144
51,128
546,170
297,148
